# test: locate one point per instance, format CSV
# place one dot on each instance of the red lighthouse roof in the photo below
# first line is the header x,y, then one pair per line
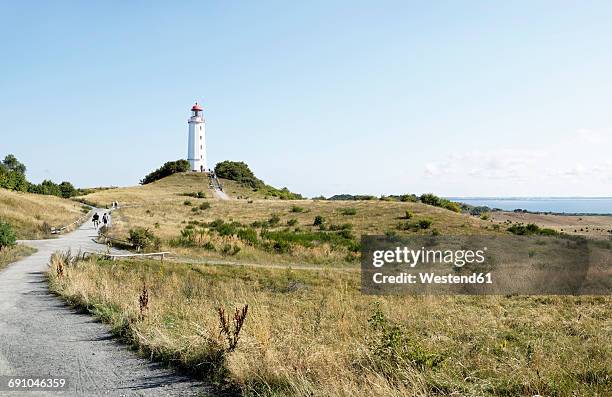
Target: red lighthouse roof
x,y
196,107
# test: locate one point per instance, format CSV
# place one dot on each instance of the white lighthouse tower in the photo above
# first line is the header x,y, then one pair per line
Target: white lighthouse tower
x,y
196,152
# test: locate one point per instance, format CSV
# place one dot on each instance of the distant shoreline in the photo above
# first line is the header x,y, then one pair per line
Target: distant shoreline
x,y
567,206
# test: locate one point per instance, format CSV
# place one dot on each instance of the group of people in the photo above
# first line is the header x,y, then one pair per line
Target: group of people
x,y
105,219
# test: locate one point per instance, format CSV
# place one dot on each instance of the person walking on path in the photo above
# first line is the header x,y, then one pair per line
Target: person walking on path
x,y
96,220
104,219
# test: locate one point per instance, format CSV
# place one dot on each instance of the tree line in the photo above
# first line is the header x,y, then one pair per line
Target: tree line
x,y
12,177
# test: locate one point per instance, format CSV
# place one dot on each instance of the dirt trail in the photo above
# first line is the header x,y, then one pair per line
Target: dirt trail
x,y
41,337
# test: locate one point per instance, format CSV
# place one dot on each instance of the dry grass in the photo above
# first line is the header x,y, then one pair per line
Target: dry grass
x,y
9,255
32,215
312,333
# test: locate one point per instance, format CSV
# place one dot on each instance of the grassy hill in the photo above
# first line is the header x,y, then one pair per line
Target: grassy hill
x,y
32,215
273,231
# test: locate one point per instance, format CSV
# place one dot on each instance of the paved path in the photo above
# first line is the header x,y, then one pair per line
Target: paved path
x,y
40,336
220,194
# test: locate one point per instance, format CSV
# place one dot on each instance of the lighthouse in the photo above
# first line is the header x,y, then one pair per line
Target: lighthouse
x,y
196,151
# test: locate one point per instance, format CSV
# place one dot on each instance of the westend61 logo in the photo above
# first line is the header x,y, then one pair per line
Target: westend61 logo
x,y
479,265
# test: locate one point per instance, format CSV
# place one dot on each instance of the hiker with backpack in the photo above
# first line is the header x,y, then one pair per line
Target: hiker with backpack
x,y
96,220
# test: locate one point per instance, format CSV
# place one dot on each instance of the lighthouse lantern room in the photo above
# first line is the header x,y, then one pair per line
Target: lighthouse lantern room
x,y
196,152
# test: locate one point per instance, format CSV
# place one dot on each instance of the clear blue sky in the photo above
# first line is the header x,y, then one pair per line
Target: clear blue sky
x,y
461,98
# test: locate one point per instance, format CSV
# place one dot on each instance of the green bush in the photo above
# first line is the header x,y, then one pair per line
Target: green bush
x,y
408,198
432,199
424,223
348,211
292,222
248,235
143,239
394,352
274,220
186,202
295,208
421,224
229,249
169,168
318,221
7,235
531,229
204,206
240,172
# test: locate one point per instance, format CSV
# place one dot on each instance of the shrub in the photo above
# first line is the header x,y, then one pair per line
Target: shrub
x,y
407,215
292,222
248,235
7,235
392,349
143,238
296,208
274,220
204,206
186,202
169,168
348,211
530,229
238,171
229,249
421,224
424,223
318,221
409,198
430,199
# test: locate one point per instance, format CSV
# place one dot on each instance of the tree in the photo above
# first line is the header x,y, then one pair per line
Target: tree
x,y
169,168
7,235
12,164
67,189
238,171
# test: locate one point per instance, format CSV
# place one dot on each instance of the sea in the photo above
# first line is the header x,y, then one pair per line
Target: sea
x,y
561,205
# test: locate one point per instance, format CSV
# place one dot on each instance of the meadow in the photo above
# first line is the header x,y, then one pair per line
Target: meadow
x,y
312,333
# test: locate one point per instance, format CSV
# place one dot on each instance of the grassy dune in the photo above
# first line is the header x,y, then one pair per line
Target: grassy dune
x,y
312,333
13,254
31,215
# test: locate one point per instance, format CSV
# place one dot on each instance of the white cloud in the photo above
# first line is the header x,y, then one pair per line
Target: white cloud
x,y
594,137
574,164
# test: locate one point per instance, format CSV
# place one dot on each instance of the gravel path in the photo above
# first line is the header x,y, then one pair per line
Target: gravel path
x,y
41,337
